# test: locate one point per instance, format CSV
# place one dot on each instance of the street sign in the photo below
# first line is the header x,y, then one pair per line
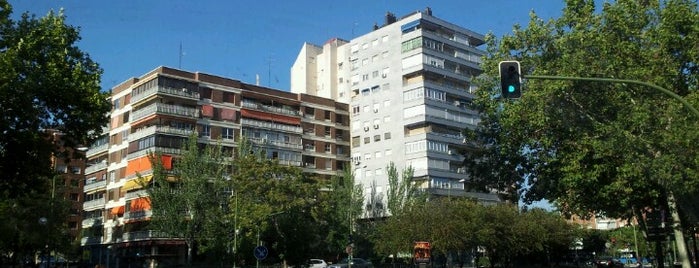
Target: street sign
x,y
260,252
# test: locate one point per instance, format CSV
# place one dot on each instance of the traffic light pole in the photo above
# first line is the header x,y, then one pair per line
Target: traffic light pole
x,y
672,204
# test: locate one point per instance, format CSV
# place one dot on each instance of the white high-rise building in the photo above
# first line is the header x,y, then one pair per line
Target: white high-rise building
x,y
408,85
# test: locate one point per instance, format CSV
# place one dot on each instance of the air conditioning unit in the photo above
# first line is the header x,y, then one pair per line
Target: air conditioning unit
x,y
366,128
356,163
376,110
376,126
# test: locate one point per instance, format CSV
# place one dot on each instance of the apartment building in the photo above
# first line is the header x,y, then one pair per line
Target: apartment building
x,y
158,112
408,85
69,165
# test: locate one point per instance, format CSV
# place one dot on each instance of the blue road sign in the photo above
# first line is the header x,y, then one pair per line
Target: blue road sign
x,y
261,252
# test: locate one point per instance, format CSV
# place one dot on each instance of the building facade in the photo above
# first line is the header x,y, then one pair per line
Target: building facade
x,y
158,112
408,85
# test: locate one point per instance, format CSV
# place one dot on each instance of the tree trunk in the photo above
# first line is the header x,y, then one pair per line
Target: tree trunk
x,y
677,230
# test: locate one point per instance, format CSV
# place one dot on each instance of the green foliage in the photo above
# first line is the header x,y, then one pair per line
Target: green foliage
x,y
47,83
594,147
208,195
455,224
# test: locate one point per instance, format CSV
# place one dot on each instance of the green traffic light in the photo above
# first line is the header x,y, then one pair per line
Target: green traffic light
x,y
511,89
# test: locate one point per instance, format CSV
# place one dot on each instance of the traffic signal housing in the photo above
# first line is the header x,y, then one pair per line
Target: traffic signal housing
x,y
510,82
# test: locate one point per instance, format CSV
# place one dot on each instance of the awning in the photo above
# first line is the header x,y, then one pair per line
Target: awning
x,y
207,111
136,183
118,210
140,204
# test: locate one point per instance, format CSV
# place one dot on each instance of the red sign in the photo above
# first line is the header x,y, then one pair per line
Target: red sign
x,y
421,252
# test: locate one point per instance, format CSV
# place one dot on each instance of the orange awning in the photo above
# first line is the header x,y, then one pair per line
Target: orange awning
x,y
140,204
118,210
167,161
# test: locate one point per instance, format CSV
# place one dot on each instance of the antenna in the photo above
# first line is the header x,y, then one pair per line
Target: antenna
x,y
179,66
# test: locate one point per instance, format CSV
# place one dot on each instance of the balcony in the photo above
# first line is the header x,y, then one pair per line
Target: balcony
x,y
167,109
138,215
268,108
269,125
95,167
136,194
93,185
145,132
96,221
93,204
96,150
263,141
143,235
90,240
176,92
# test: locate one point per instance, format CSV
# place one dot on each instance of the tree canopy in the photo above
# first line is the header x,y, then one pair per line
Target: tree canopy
x,y
47,83
592,147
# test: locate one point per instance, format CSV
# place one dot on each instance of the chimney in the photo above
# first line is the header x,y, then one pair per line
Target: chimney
x,y
376,26
428,11
390,18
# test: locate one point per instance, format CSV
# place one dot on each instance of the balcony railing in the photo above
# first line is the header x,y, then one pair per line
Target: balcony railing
x,y
168,109
164,90
144,132
138,215
136,194
268,108
96,221
88,205
276,143
269,125
95,167
143,235
89,186
97,149
90,240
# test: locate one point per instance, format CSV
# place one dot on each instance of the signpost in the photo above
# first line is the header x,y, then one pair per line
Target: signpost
x,y
260,252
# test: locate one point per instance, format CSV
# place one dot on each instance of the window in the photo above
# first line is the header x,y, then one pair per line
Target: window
x,y
375,42
374,74
205,131
355,109
367,140
61,168
366,108
384,54
377,154
365,45
384,38
387,136
365,77
227,133
385,71
355,141
377,137
328,148
365,61
387,103
388,152
387,118
367,156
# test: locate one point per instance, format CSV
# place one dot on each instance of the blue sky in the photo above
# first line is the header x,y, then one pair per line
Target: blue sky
x,y
242,39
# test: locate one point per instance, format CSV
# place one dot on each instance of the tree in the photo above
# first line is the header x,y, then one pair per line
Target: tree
x,y
340,207
185,205
595,148
47,83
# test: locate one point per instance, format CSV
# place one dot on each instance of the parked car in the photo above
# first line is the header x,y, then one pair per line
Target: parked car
x,y
316,263
608,262
356,263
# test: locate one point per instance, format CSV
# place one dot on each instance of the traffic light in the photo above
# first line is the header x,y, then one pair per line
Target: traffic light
x,y
510,81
